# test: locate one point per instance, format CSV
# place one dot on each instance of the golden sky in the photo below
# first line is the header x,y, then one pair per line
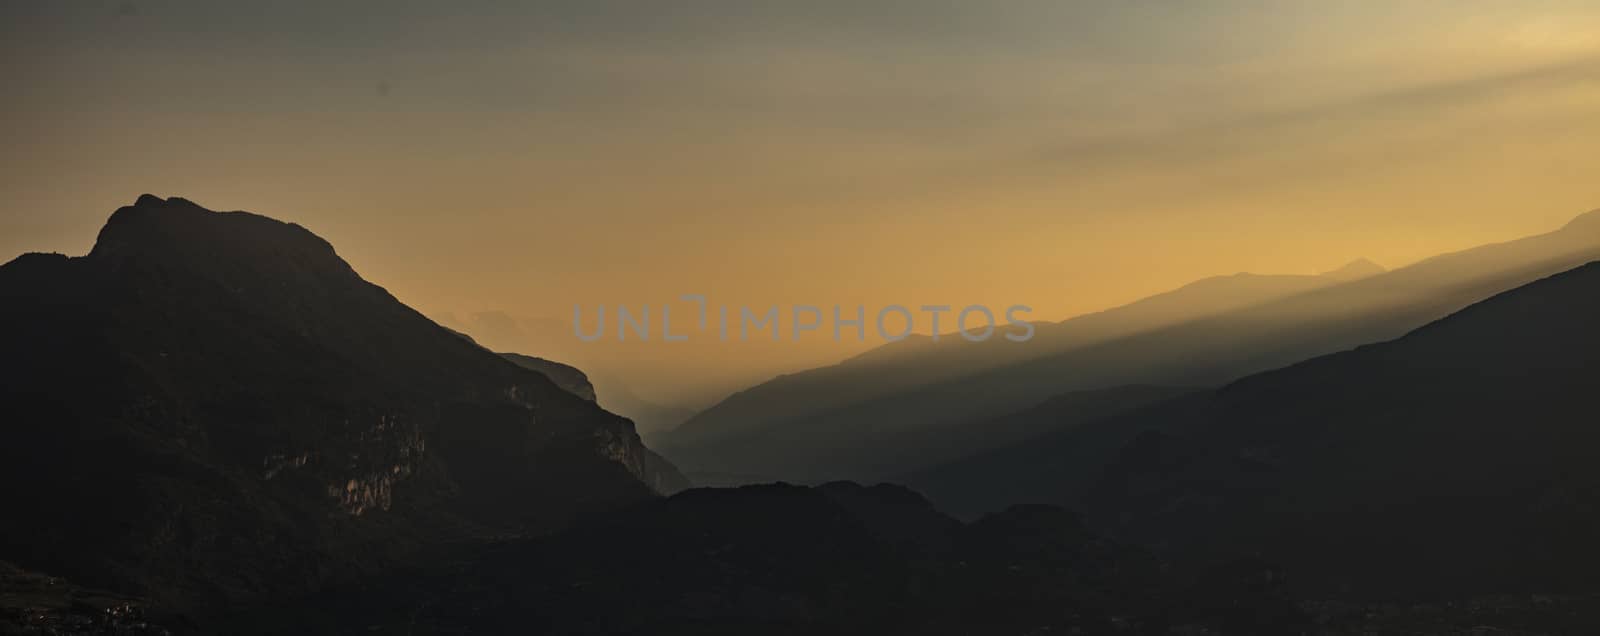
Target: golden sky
x,y
1068,156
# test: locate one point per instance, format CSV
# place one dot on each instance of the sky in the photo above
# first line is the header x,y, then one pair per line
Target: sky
x,y
1070,156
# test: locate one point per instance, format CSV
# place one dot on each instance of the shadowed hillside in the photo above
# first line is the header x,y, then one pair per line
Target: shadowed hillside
x,y
212,407
1456,460
780,559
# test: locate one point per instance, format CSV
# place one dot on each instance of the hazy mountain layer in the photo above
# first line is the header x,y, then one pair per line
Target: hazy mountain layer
x,y
846,447
1455,460
1255,326
919,361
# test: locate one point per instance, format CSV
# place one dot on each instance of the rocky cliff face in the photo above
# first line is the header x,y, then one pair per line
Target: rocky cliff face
x,y
215,406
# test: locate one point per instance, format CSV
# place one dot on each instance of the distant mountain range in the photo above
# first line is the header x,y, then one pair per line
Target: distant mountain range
x,y
213,406
1202,335
1455,460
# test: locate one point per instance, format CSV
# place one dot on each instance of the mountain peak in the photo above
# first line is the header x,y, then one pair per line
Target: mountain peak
x,y
306,400
148,200
1356,270
178,229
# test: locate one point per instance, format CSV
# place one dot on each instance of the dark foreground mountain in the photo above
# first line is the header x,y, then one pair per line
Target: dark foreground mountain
x,y
1457,460
613,395
650,416
779,559
604,387
666,479
211,408
1211,333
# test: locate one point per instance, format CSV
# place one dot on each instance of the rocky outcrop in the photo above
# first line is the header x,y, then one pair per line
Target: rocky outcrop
x,y
565,376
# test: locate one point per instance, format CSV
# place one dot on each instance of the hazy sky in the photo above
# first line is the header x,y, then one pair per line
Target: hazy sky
x,y
1070,156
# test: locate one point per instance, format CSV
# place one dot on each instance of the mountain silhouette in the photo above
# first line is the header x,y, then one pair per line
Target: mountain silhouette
x,y
839,558
1205,334
1453,461
213,406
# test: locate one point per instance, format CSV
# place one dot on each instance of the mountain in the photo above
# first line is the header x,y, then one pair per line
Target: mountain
x,y
568,377
665,478
647,416
613,394
210,408
1356,270
651,417
840,449
667,380
920,361
1206,334
1453,461
835,559
815,414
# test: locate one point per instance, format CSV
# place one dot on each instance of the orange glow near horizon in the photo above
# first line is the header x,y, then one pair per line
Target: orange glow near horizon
x,y
1069,159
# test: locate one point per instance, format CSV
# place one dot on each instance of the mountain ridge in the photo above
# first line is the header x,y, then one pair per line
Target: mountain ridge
x,y
247,416
1199,351
1447,461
